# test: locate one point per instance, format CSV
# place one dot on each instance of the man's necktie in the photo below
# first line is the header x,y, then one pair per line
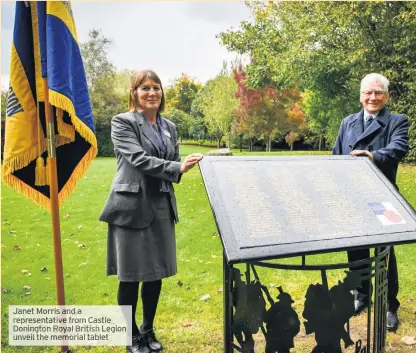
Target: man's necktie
x,y
368,122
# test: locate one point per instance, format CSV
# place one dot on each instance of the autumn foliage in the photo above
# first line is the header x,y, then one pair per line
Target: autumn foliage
x,y
266,112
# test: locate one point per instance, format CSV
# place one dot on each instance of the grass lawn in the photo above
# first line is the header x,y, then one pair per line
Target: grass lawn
x,y
199,264
188,149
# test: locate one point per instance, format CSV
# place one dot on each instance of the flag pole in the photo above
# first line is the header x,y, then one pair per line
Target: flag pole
x,y
53,189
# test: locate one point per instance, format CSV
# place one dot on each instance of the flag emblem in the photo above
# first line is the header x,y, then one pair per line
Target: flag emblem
x,y
45,46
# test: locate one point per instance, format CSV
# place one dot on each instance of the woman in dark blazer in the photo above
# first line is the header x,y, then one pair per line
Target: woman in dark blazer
x,y
141,209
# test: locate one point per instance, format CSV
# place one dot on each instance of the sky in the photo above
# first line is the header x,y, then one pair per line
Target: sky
x,y
168,37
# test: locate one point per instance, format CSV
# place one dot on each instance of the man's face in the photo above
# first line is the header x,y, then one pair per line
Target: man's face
x,y
374,98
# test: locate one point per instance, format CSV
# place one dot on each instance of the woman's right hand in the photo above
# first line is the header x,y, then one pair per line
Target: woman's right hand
x,y
190,161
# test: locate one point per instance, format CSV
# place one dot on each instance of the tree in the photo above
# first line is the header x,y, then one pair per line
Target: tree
x,y
3,104
180,119
219,104
181,93
263,111
274,111
106,90
297,122
329,47
95,57
248,121
324,114
122,81
3,117
198,128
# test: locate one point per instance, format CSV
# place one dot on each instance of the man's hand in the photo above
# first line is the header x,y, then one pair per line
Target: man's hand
x,y
190,161
362,153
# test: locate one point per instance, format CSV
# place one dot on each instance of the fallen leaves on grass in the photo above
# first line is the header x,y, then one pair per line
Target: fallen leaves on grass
x,y
67,215
16,248
27,290
5,290
82,246
218,291
409,340
25,272
44,269
205,297
186,324
179,283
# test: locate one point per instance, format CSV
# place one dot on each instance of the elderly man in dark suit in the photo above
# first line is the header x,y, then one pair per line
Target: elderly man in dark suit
x,y
383,137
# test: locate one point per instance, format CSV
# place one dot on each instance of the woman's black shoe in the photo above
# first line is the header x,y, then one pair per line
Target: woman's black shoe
x,y
152,342
139,345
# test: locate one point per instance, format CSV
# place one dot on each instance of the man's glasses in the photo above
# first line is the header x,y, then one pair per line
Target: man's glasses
x,y
378,94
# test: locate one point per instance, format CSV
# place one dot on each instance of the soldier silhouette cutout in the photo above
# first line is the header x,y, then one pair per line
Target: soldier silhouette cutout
x,y
282,323
327,312
250,309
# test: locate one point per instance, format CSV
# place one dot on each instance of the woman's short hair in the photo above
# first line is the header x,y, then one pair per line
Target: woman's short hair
x,y
136,80
374,78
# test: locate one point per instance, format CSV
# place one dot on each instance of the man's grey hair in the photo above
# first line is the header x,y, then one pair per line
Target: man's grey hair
x,y
374,78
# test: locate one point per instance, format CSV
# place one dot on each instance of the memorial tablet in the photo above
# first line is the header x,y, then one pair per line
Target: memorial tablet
x,y
271,207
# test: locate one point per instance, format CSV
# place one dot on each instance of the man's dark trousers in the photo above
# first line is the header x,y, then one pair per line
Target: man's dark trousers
x,y
363,293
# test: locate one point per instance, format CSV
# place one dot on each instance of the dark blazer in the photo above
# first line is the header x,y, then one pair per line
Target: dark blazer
x,y
387,139
135,187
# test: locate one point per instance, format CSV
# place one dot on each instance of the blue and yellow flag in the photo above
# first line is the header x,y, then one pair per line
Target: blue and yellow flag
x,y
45,44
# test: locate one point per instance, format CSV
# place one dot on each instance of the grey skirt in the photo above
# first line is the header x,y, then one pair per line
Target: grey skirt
x,y
144,255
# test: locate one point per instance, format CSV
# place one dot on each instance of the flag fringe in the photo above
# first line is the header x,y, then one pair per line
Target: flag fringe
x,y
77,174
66,135
40,199
64,103
64,129
27,191
24,159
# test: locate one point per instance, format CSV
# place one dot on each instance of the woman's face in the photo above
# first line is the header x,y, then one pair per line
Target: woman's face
x,y
149,95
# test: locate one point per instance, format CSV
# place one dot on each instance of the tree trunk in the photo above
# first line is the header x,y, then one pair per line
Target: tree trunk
x,y
269,144
241,143
291,146
219,142
320,142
